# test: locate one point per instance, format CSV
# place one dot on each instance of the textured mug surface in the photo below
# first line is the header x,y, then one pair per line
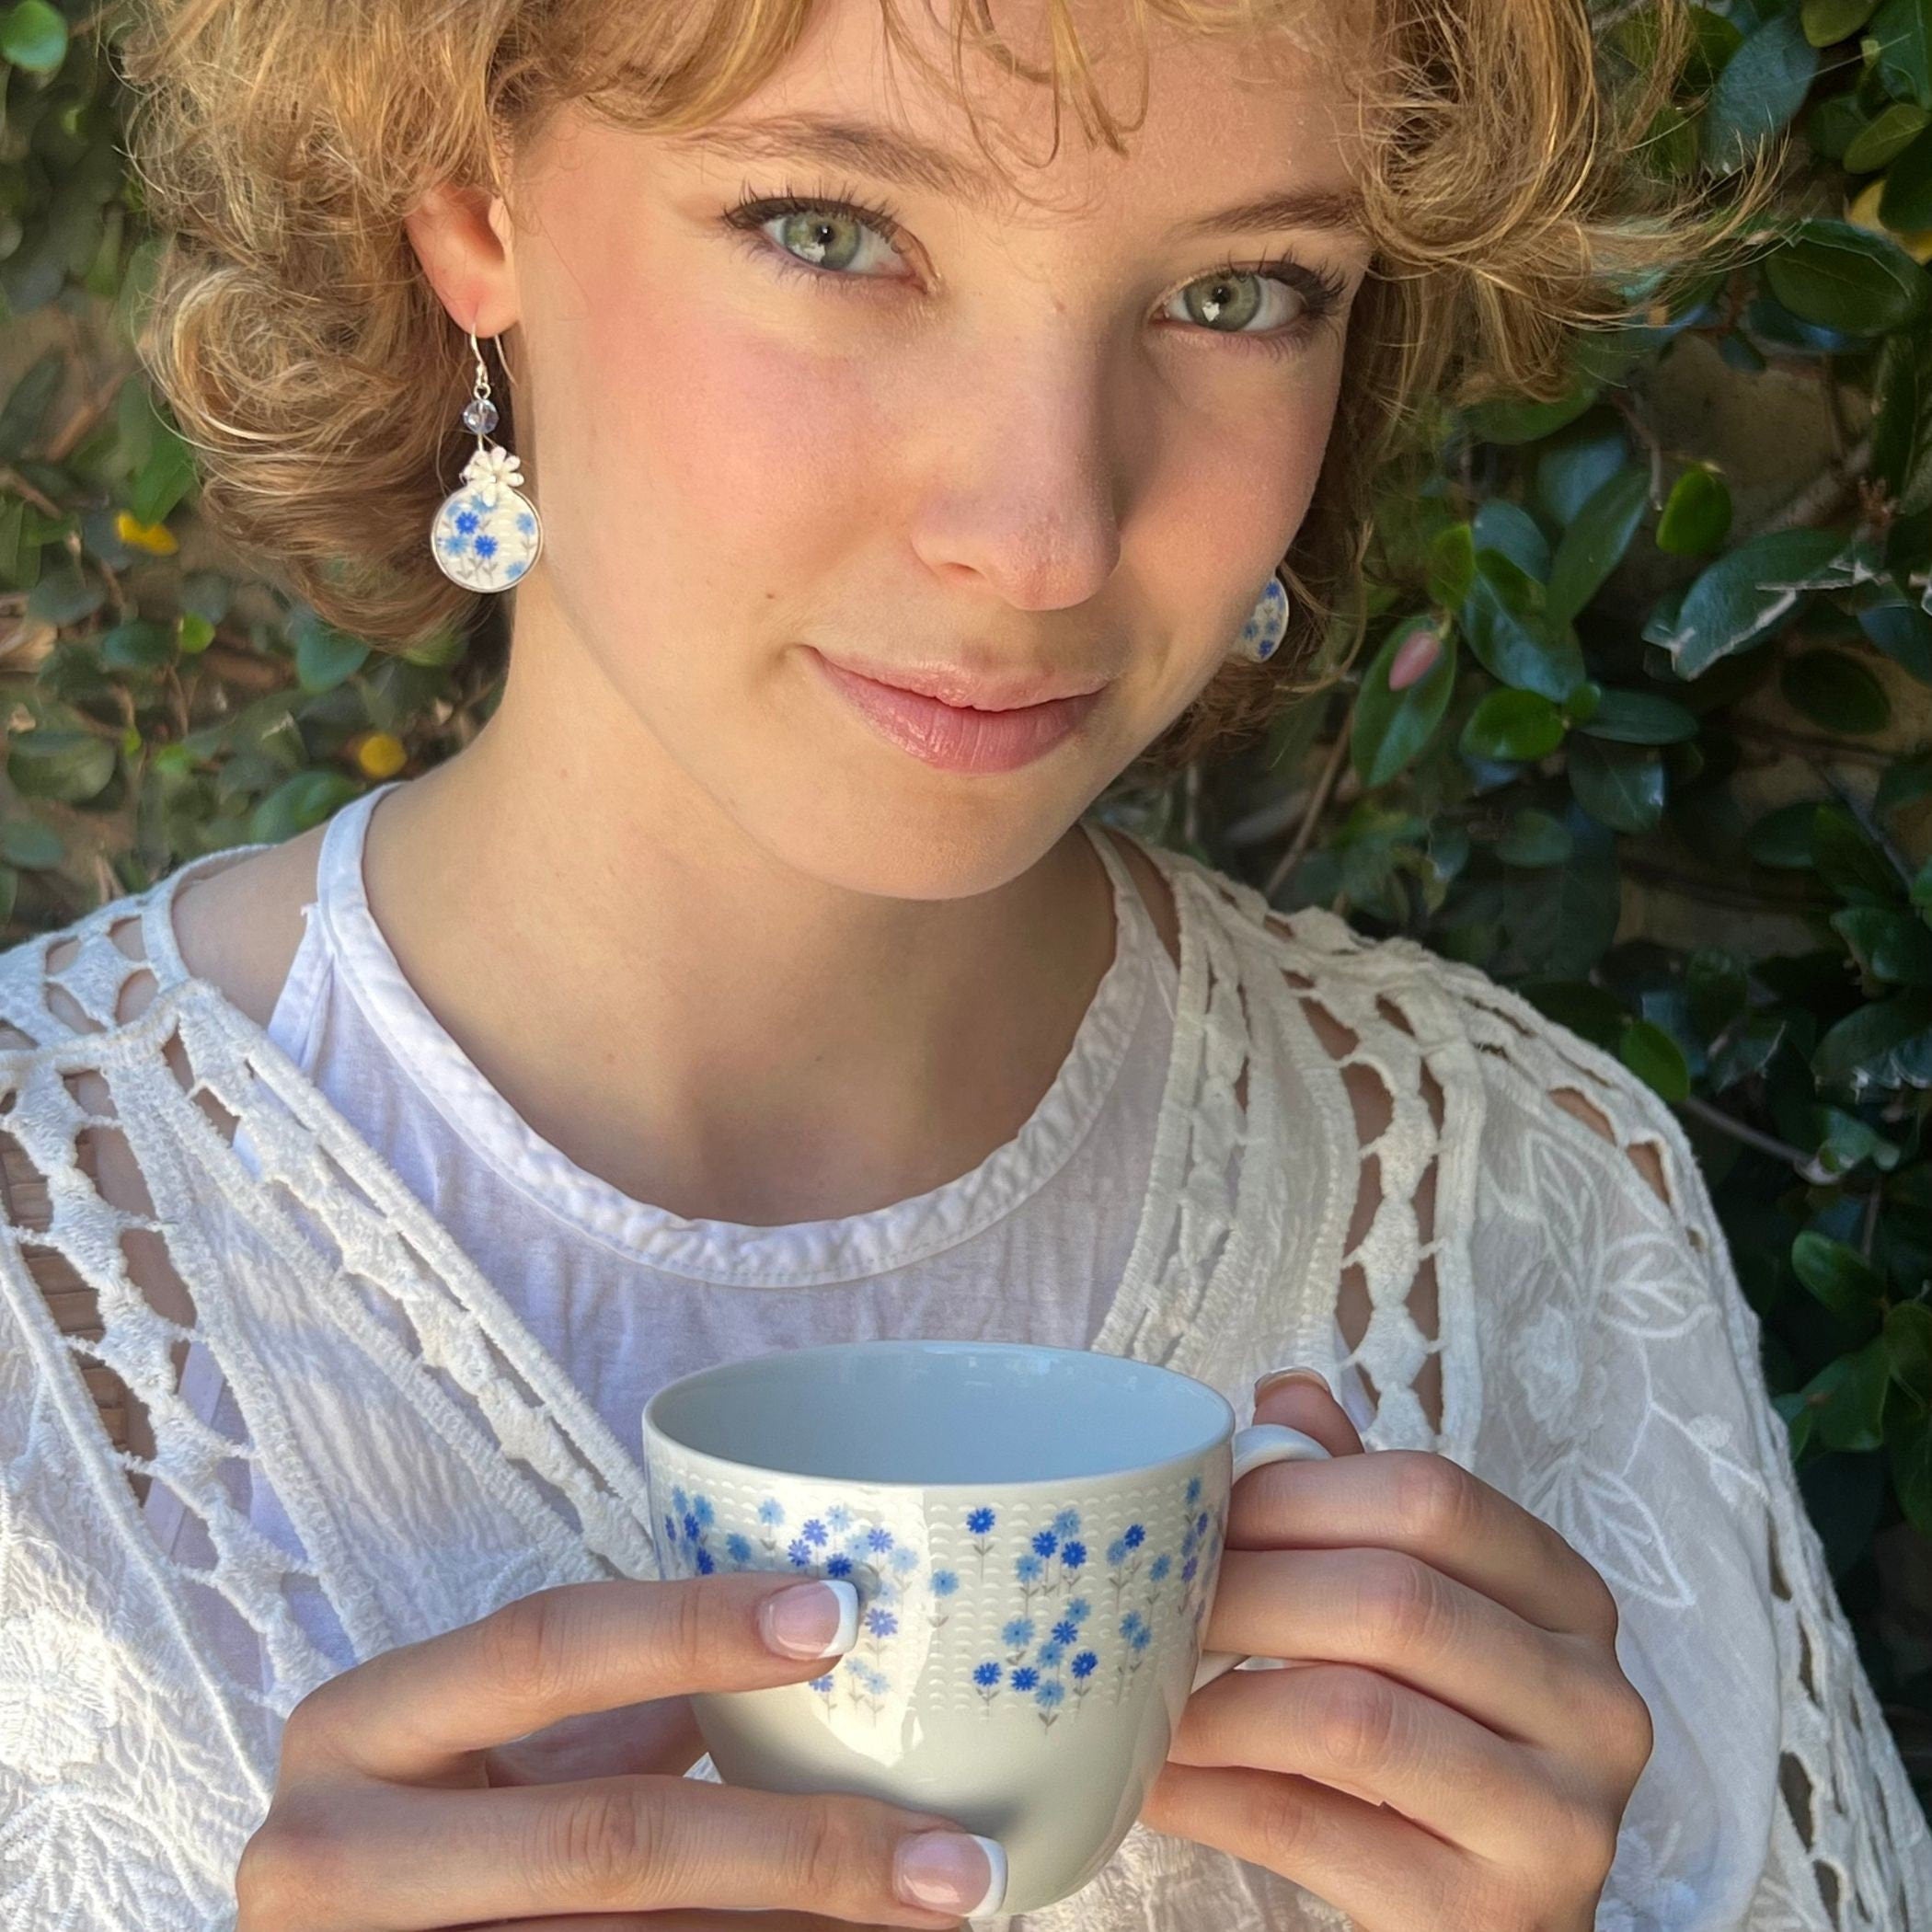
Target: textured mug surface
x,y
1034,1534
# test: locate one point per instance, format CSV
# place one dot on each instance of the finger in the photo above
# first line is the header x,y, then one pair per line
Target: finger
x,y
1303,1400
1397,1614
1367,1861
415,1714
660,1735
1364,1734
1418,1502
424,1857
668,1922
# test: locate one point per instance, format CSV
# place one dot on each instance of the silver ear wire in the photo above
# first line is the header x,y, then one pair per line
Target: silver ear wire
x,y
487,533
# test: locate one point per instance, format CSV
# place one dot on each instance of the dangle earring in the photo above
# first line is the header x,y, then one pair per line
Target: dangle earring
x,y
1266,627
485,536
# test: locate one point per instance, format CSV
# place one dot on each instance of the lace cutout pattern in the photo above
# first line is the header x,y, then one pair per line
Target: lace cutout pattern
x,y
1436,1131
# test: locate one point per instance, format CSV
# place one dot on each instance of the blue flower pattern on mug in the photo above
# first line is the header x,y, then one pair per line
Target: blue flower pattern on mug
x,y
1051,1655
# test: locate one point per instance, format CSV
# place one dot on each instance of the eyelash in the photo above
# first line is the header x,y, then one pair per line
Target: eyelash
x,y
1321,290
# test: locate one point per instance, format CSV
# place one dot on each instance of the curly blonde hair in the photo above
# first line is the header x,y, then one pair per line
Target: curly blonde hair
x,y
1505,188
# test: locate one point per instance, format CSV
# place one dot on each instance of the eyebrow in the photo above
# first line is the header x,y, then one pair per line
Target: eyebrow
x,y
888,155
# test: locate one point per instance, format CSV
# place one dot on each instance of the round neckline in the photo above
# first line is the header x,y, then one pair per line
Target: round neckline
x,y
784,1255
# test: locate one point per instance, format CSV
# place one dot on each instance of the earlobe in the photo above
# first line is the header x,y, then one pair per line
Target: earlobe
x,y
469,262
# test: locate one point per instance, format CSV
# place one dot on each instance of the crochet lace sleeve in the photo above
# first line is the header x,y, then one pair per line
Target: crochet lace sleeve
x,y
1638,1421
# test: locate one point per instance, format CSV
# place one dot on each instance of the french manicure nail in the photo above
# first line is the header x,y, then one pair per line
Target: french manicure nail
x,y
1287,1375
811,1619
952,1871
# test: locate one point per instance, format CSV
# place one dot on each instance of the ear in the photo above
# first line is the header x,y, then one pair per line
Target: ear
x,y
461,236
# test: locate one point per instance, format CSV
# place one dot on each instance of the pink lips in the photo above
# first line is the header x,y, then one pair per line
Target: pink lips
x,y
955,737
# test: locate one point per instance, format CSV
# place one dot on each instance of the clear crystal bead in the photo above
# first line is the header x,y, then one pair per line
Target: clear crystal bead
x,y
480,416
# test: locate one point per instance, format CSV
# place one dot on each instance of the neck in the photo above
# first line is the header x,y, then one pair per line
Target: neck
x,y
691,1018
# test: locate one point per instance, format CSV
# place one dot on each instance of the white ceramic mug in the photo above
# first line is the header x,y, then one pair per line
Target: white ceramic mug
x,y
1035,1535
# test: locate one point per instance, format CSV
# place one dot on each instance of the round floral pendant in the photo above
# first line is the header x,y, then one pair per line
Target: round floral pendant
x,y
487,534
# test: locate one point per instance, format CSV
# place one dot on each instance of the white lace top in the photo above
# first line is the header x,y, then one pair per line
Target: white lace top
x,y
1347,1131
1027,1245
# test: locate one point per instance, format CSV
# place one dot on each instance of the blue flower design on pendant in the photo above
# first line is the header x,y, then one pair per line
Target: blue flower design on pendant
x,y
487,534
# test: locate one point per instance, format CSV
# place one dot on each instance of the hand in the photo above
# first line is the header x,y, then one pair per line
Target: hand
x,y
1460,1749
529,1765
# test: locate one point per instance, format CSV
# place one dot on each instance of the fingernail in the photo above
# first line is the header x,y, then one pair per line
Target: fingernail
x,y
812,1619
1288,1375
952,1871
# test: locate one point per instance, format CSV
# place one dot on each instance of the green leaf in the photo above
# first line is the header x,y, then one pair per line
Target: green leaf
x,y
1826,21
324,657
1716,985
1640,717
1512,636
1697,513
1904,783
1783,837
1848,862
1849,1395
64,594
1909,1461
1651,1053
31,845
32,35
1517,725
1902,419
25,415
1880,140
1747,592
1392,727
1763,85
1831,688
1620,784
1451,566
1500,525
1904,632
70,765
1593,1012
1905,199
139,645
1533,838
1879,1048
163,480
1509,420
1908,1347
1839,1275
1901,35
1844,277
1844,1140
1887,944
299,802
1746,1049
1595,542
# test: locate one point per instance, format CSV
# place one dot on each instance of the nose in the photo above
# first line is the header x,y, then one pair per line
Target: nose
x,y
1026,490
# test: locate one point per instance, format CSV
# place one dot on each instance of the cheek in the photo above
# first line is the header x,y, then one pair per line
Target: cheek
x,y
725,444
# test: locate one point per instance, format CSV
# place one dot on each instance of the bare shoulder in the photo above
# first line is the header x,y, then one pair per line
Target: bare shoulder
x,y
240,926
1154,889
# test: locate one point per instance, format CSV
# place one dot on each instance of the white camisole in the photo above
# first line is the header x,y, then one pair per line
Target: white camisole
x,y
1029,1245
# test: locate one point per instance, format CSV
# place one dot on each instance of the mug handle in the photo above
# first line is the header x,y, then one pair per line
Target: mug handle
x,y
1258,1443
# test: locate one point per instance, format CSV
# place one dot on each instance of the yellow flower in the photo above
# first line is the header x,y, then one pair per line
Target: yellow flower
x,y
1863,213
381,754
158,539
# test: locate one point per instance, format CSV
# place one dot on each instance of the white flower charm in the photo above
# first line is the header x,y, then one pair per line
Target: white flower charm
x,y
485,536
56,1693
493,470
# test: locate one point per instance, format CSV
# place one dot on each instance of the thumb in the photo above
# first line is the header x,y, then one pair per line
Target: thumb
x,y
1301,1398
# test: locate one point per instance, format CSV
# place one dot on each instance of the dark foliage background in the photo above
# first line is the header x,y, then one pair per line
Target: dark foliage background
x,y
1658,752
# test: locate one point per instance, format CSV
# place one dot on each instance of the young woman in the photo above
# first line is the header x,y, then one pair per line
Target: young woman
x,y
757,976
